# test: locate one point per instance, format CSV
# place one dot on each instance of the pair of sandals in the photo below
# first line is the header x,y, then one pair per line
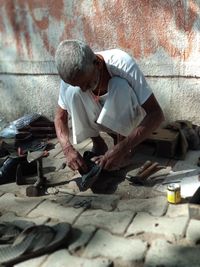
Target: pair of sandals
x,y
19,242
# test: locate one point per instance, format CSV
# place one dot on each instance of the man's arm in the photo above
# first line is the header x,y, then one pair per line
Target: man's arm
x,y
74,159
154,116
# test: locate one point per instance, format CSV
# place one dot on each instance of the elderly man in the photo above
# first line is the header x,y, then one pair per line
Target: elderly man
x,y
103,91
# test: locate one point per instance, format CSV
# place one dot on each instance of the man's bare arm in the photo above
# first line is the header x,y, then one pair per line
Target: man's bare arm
x,y
154,116
74,159
62,130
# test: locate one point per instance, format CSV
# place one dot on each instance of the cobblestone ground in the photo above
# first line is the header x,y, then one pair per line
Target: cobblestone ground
x,y
123,225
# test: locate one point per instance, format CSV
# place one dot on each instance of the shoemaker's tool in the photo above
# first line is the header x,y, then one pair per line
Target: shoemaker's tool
x,y
35,189
147,169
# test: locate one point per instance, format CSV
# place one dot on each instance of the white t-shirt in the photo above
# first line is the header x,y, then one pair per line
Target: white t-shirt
x,y
120,64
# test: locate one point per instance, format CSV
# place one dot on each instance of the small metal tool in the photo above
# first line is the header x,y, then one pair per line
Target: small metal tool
x,y
38,187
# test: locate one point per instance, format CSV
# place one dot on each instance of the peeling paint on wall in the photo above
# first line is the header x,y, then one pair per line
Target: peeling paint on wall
x,y
31,28
163,35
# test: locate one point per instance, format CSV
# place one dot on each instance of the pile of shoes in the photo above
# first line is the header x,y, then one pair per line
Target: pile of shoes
x,y
32,133
34,126
10,167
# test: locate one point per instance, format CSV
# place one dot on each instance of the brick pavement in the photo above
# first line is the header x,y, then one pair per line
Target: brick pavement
x,y
133,226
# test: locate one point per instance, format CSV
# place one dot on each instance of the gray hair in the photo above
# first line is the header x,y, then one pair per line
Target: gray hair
x,y
73,57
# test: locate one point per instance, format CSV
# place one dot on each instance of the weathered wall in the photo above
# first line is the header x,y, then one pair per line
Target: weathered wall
x,y
163,36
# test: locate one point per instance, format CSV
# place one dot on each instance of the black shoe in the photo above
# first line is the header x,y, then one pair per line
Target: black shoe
x,y
93,174
9,168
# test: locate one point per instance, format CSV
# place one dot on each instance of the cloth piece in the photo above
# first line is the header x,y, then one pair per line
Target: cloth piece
x,y
84,125
189,137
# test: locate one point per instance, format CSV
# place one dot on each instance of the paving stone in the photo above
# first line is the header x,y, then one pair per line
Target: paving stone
x,y
80,237
73,184
124,252
60,177
164,254
173,228
156,206
10,217
194,211
193,233
104,202
52,164
21,206
63,258
129,191
177,210
36,262
55,151
14,188
53,210
83,145
60,198
115,222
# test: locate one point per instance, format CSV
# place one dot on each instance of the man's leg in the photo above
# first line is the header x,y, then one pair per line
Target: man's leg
x,y
99,146
84,113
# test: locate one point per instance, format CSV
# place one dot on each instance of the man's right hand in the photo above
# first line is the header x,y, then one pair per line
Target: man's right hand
x,y
75,160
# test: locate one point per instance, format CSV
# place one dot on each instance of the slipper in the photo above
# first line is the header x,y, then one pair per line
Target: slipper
x,y
35,241
91,177
8,232
88,179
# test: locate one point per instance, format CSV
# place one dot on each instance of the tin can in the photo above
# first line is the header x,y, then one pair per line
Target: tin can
x,y
174,193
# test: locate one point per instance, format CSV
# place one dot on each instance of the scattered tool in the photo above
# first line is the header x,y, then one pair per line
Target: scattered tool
x,y
39,186
146,170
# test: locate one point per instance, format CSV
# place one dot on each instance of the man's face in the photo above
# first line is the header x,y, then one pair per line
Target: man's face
x,y
88,81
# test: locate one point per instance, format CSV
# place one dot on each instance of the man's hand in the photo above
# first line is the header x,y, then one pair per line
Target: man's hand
x,y
75,160
112,160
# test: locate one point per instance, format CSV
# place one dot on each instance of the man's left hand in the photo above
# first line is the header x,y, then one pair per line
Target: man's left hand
x,y
112,160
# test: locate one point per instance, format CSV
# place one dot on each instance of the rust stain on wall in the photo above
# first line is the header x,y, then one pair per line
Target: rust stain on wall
x,y
21,14
142,26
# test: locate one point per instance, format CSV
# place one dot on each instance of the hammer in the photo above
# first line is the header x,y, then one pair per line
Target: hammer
x,y
147,169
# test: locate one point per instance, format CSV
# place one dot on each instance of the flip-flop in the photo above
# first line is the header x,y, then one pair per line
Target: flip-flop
x,y
10,230
91,177
35,241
